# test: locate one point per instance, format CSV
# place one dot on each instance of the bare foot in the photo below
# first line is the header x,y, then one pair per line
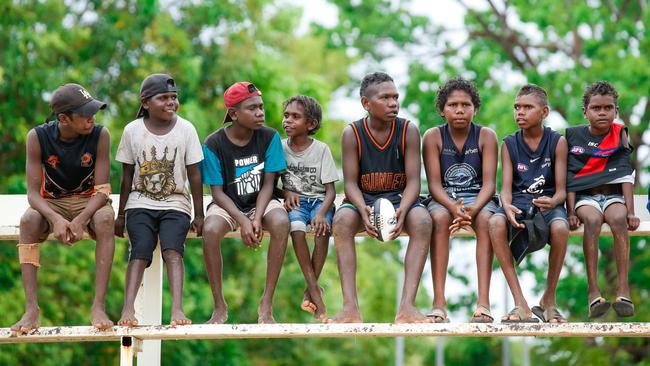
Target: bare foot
x,y
128,318
219,316
310,305
265,318
100,320
179,318
409,314
345,316
28,322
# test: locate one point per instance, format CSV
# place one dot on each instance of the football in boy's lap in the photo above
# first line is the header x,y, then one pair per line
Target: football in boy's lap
x,y
384,218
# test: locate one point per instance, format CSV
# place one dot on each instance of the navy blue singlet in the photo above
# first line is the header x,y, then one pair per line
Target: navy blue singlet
x,y
461,171
533,172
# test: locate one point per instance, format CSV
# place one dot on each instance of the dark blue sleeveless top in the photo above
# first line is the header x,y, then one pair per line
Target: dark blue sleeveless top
x,y
461,171
68,167
533,172
382,171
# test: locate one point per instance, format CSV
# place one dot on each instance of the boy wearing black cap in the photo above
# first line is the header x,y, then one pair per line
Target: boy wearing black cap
x,y
533,163
68,191
242,162
155,197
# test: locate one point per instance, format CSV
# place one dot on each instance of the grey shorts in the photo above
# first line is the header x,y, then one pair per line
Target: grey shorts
x,y
469,199
558,213
598,201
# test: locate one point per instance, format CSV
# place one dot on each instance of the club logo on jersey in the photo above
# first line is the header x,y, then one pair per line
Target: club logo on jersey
x,y
604,153
53,160
577,150
86,160
249,175
460,176
537,187
522,167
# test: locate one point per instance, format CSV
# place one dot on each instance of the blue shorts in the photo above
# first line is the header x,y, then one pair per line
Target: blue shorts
x,y
302,216
598,201
469,199
554,214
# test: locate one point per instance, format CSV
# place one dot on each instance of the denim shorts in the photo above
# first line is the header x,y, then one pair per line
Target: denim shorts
x,y
469,199
556,213
302,216
598,201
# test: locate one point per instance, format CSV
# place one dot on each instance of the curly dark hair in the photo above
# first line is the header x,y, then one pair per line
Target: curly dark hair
x,y
599,88
313,111
536,90
450,86
372,79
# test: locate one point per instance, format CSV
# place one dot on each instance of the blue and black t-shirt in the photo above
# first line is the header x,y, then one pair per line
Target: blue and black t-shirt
x,y
240,169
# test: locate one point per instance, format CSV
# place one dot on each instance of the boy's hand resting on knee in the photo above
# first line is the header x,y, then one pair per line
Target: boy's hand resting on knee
x,y
119,226
511,211
574,221
197,225
291,201
461,217
319,225
248,234
60,230
76,231
544,203
633,222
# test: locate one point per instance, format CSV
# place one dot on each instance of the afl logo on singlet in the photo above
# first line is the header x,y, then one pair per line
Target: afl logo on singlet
x,y
577,150
522,167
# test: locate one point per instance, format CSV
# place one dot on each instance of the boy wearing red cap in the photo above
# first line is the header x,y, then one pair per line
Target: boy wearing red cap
x,y
155,197
68,192
242,162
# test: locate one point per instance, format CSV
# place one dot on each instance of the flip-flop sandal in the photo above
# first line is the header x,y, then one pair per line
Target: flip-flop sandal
x,y
598,307
481,315
521,314
439,315
550,313
623,307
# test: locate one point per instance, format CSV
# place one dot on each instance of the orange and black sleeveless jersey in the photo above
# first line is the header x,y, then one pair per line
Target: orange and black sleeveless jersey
x,y
68,167
381,167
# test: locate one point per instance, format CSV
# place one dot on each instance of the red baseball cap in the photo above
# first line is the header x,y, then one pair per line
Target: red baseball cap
x,y
237,93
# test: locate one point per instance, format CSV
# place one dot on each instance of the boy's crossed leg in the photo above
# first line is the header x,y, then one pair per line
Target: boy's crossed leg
x,y
312,299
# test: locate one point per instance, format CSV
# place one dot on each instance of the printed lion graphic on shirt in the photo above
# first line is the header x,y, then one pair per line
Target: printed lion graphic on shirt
x,y
156,178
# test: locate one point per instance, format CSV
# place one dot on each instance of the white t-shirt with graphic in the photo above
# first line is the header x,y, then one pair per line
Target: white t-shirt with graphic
x,y
308,171
160,178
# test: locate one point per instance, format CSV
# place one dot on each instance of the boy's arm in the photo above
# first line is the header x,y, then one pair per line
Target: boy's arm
x,y
633,221
350,153
489,148
319,222
263,198
34,174
126,182
548,203
431,155
506,188
412,164
194,176
97,201
574,220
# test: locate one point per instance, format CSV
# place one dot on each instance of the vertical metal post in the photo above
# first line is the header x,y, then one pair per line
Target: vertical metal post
x,y
399,341
505,345
148,308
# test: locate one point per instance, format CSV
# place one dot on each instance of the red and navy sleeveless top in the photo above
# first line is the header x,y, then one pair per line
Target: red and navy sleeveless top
x,y
461,171
382,171
596,160
68,167
533,172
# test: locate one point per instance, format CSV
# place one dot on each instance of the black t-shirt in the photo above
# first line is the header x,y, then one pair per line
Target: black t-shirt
x,y
68,167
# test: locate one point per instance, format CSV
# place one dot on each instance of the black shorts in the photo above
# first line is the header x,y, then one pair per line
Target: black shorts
x,y
145,226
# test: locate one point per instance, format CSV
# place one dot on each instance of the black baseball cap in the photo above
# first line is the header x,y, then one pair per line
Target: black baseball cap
x,y
75,98
533,237
155,84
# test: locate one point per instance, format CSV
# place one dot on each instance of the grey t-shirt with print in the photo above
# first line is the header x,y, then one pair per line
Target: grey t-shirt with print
x,y
308,171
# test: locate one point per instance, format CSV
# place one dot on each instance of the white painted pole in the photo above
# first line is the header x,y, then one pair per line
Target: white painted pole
x,y
399,341
505,345
148,308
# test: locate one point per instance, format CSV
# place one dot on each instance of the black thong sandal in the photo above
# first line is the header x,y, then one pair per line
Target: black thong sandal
x,y
623,307
598,307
